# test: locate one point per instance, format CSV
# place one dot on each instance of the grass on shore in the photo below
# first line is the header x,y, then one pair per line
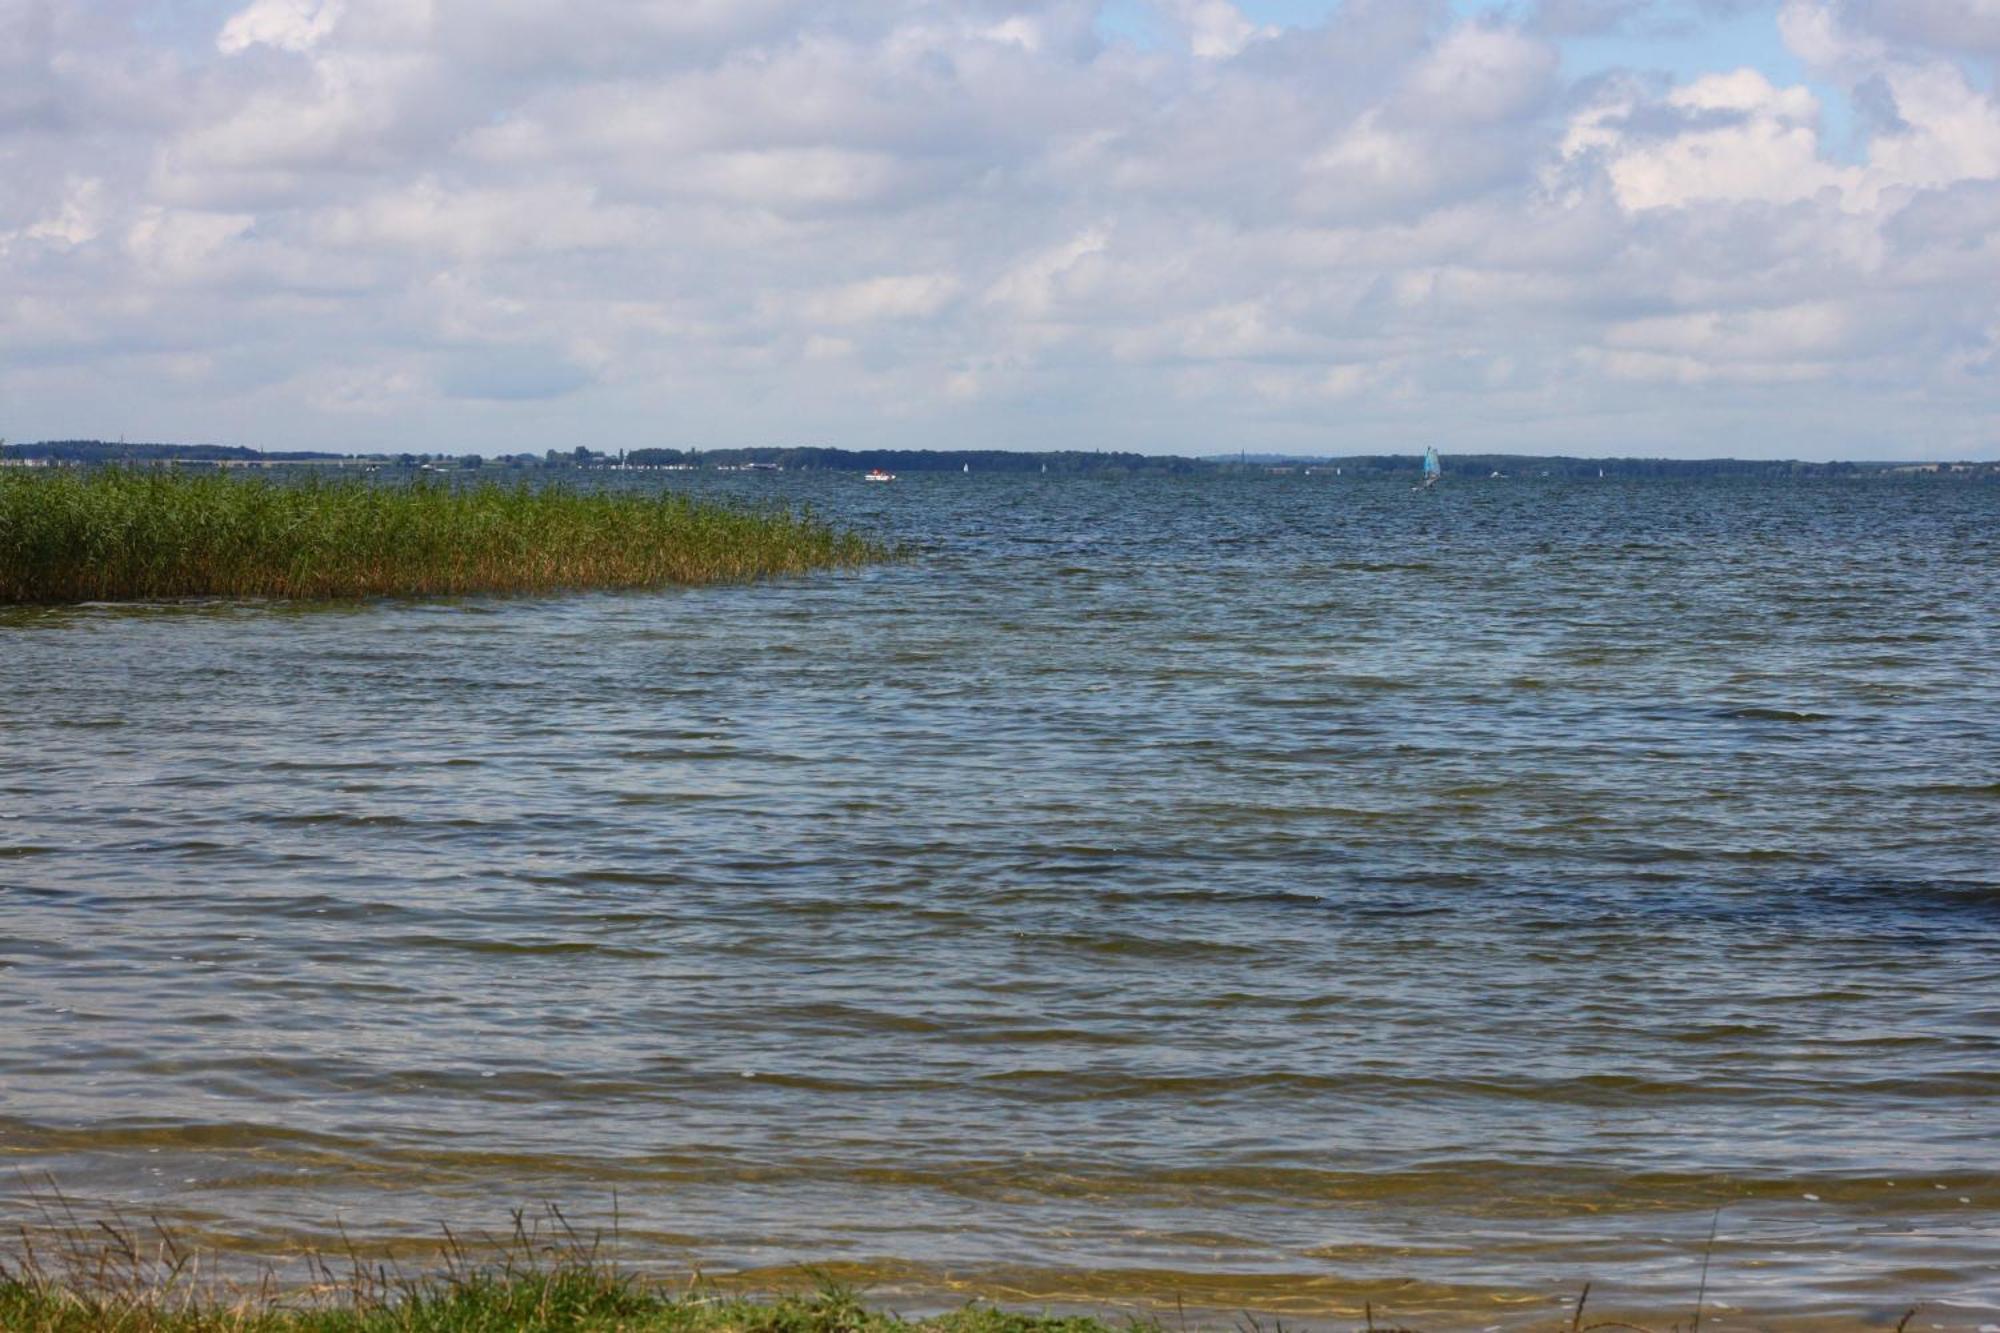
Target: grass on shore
x,y
72,1276
573,1300
69,1276
117,534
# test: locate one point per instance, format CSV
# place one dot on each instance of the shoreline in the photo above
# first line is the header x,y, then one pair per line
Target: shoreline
x,y
166,1292
77,1272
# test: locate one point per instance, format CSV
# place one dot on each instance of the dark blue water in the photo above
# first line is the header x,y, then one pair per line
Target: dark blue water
x,y
1274,893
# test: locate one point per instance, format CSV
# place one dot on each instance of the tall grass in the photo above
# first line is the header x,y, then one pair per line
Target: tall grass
x,y
115,534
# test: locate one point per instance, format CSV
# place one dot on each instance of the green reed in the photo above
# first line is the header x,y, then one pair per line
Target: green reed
x,y
118,534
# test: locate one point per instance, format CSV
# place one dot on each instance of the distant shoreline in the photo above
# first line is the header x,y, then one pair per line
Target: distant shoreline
x,y
1065,462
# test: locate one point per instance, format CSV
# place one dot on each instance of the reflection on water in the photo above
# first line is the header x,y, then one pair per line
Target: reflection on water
x,y
1270,894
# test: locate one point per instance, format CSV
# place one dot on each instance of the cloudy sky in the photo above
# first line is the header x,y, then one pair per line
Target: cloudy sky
x,y
1681,227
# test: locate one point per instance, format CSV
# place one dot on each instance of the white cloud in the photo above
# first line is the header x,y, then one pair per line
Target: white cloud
x,y
482,223
1039,283
1789,334
374,391
1745,139
1951,130
1482,73
1742,139
785,178
79,218
1217,29
288,25
175,245
902,296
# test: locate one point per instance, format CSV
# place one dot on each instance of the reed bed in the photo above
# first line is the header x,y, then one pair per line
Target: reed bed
x,y
118,534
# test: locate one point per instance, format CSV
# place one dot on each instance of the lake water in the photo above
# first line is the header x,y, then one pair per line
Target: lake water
x,y
1269,893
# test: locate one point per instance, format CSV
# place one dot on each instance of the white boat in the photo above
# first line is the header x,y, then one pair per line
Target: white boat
x,y
877,474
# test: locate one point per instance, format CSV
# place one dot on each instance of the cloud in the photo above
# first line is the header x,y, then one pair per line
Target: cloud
x,y
1040,283
172,245
1217,28
1736,137
508,374
780,219
289,25
1947,27
79,218
1481,73
903,296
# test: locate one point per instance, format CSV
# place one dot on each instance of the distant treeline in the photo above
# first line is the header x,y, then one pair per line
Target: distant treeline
x,y
1530,465
812,458
791,458
1065,462
104,451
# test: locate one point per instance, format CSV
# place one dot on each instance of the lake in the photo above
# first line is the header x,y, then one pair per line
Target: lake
x,y
1266,893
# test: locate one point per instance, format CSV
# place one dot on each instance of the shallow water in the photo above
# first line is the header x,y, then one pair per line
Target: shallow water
x,y
1270,893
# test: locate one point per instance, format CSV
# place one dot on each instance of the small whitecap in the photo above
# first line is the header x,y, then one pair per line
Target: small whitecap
x,y
487,1073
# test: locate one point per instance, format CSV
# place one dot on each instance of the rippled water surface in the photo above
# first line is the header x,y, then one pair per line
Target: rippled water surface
x,y
1269,893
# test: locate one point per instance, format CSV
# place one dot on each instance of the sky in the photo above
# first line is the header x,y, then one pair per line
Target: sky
x,y
1684,228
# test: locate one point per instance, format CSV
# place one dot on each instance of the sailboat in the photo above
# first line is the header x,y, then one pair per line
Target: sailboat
x,y
1432,468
